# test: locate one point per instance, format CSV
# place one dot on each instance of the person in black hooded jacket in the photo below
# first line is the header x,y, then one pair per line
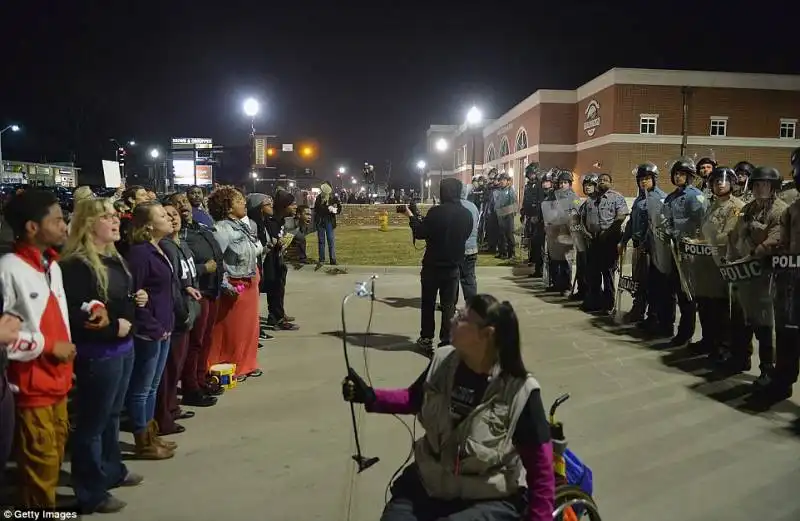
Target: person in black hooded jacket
x,y
445,229
275,269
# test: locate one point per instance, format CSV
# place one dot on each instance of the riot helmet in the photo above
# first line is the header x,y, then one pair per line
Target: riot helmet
x,y
492,174
795,162
564,176
646,170
549,178
765,174
745,168
532,170
503,176
683,166
590,183
721,180
705,166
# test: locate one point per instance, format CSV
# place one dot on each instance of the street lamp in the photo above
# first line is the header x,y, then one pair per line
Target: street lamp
x,y
254,175
474,118
251,109
342,170
154,153
421,166
353,180
12,128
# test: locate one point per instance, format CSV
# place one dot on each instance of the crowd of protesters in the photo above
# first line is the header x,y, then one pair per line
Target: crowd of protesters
x,y
118,316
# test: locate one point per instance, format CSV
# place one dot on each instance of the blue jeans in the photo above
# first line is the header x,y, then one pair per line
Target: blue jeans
x,y
148,367
466,272
96,460
325,231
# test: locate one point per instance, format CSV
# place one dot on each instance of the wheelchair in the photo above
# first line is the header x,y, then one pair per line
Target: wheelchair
x,y
573,500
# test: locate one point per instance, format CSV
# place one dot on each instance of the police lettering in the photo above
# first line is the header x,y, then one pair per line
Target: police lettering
x,y
783,262
741,271
628,284
698,249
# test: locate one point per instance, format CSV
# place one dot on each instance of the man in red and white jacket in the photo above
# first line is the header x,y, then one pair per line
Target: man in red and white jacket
x,y
40,358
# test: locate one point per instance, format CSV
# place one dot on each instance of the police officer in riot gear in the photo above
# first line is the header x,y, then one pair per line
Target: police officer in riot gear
x,y
787,304
562,198
547,184
713,306
637,230
743,169
505,207
476,194
604,214
531,217
758,233
491,228
705,166
683,211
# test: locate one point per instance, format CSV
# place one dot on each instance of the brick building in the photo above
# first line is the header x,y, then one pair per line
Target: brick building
x,y
627,116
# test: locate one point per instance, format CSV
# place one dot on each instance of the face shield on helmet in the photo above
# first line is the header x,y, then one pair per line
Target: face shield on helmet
x,y
590,183
682,171
722,180
765,182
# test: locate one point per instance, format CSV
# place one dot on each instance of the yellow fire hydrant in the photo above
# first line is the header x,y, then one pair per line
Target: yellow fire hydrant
x,y
383,220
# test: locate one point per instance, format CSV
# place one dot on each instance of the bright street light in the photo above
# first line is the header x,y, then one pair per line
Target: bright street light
x,y
131,143
254,175
154,153
441,145
353,180
421,164
291,184
12,128
251,107
307,151
342,170
474,116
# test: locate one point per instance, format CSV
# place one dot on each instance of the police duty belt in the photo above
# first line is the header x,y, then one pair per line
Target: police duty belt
x,y
748,268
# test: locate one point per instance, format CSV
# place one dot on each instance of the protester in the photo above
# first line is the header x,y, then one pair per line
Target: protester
x,y
235,335
300,226
185,298
275,269
199,212
326,207
9,332
466,268
151,272
132,196
483,366
96,275
42,355
208,263
445,229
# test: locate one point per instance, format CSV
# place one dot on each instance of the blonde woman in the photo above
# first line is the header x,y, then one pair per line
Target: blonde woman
x,y
96,275
326,208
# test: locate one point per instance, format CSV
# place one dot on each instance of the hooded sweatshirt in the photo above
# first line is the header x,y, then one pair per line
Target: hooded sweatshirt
x,y
471,247
445,228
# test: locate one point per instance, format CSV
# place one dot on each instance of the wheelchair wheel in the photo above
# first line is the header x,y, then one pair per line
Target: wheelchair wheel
x,y
573,504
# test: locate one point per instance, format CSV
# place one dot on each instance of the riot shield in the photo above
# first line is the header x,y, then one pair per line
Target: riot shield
x,y
660,247
752,288
700,269
786,289
557,230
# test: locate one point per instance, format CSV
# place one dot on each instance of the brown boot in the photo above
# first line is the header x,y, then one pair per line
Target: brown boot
x,y
146,449
169,445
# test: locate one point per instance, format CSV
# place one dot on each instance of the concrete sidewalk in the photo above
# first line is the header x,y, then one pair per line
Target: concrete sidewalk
x,y
664,442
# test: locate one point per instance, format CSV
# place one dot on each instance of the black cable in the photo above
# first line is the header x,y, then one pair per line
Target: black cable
x,y
411,431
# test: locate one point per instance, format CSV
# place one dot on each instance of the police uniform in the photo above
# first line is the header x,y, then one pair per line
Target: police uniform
x,y
532,217
715,317
505,207
603,216
757,233
637,230
684,209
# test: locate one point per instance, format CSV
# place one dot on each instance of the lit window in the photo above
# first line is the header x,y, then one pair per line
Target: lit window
x,y
648,124
719,127
522,140
788,129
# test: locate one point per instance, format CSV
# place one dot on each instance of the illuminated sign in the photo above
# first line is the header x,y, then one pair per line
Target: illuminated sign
x,y
592,121
192,141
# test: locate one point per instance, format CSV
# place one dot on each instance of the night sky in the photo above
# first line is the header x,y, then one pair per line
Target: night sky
x,y
364,80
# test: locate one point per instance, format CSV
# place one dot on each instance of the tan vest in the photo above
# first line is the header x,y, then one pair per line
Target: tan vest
x,y
475,459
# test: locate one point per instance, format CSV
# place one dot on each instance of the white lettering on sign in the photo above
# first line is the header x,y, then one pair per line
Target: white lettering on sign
x,y
705,250
192,141
287,147
592,120
504,129
741,271
785,262
628,284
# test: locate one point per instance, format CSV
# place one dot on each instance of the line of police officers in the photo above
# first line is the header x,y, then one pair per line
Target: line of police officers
x,y
702,247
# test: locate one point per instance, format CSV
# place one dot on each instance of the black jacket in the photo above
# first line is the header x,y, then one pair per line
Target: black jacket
x,y
322,216
445,228
185,276
80,286
200,239
532,200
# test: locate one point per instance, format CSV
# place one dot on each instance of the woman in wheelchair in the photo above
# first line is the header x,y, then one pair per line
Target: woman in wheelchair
x,y
486,453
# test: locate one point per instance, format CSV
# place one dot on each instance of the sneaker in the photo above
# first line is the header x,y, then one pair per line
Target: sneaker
x,y
110,506
425,346
283,325
765,378
263,335
131,479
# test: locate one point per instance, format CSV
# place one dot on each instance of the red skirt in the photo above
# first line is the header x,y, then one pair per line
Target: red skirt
x,y
234,339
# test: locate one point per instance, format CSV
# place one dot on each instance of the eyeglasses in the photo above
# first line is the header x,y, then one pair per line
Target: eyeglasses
x,y
462,315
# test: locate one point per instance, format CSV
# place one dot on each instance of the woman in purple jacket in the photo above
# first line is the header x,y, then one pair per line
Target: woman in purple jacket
x,y
486,452
152,272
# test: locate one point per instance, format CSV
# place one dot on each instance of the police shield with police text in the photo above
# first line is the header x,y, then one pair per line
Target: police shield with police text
x,y
756,235
557,210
